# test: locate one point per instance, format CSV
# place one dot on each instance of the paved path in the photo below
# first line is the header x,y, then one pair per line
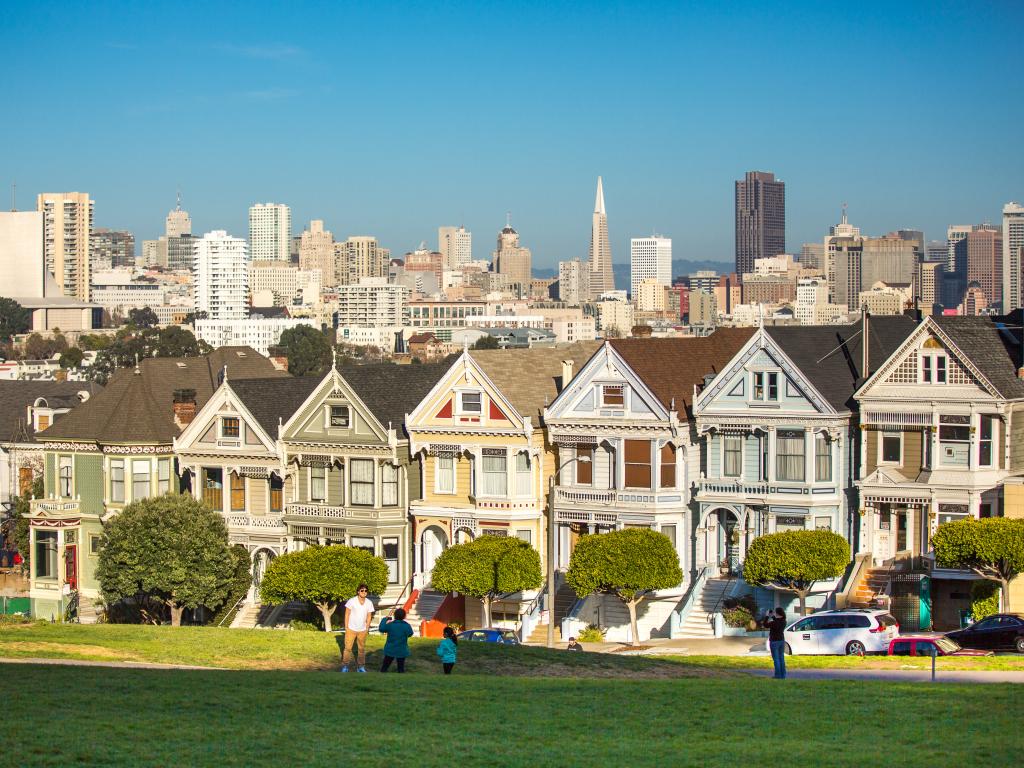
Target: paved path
x,y
86,663
896,675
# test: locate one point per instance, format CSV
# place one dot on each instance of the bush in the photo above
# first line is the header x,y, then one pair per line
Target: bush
x,y
984,599
305,626
592,634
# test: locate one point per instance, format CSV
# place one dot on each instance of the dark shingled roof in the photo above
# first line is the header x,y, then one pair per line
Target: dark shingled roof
x,y
831,356
391,391
137,407
994,352
17,396
274,400
671,367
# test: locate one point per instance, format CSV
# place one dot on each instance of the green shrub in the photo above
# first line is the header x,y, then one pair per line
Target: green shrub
x,y
737,616
305,626
984,599
592,634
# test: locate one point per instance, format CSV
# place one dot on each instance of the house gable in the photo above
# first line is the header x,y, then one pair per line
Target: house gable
x,y
213,427
334,413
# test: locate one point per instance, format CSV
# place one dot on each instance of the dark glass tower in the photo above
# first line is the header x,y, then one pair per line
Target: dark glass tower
x,y
760,219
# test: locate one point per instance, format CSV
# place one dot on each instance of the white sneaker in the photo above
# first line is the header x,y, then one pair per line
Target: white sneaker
x,y
361,669
345,668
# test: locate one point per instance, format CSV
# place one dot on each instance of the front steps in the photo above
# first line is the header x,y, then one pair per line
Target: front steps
x,y
698,622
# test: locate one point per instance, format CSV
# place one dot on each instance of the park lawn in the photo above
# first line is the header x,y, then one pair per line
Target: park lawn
x,y
136,717
1009,662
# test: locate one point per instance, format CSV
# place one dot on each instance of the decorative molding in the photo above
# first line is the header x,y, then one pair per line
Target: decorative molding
x,y
72,447
137,450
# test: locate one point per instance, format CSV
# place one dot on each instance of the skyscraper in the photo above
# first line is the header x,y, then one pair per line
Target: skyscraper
x,y
650,258
221,277
360,257
316,251
178,222
573,282
1013,269
67,232
760,219
985,261
601,277
111,248
455,245
511,259
270,231
841,252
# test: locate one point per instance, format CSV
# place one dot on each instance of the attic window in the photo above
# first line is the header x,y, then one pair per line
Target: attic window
x,y
229,427
339,416
182,365
240,354
470,402
613,395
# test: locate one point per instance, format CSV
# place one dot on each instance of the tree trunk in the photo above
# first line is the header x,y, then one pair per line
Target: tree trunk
x,y
1004,588
802,594
176,611
487,610
326,609
631,605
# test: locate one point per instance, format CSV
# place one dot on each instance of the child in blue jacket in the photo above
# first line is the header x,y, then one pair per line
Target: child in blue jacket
x,y
398,633
447,650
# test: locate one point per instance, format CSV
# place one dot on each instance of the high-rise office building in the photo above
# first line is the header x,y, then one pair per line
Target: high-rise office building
x,y
931,274
892,260
573,282
601,276
985,261
180,251
67,234
954,234
221,276
512,260
1013,254
178,222
839,241
936,250
111,248
455,245
316,251
270,231
812,256
760,219
650,258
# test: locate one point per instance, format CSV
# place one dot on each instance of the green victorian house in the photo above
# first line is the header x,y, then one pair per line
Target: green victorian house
x,y
114,449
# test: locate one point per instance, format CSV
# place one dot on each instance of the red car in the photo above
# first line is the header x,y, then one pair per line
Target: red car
x,y
910,645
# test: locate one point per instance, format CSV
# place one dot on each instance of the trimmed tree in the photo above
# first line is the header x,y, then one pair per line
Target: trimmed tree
x,y
169,549
323,576
793,561
630,564
992,548
488,568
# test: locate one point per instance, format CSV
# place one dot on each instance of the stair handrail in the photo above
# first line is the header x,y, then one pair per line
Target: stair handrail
x,y
679,616
721,597
858,569
231,611
528,619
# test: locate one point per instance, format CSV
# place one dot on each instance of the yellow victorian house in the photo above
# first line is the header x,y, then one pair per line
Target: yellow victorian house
x,y
486,460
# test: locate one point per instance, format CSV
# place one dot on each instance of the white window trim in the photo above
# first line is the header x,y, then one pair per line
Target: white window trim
x,y
220,426
71,482
455,477
933,354
882,434
721,459
832,451
327,415
130,477
765,373
110,480
309,481
515,475
459,411
600,395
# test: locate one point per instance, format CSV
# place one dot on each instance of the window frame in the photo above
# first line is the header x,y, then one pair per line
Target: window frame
x,y
523,477
117,464
389,486
347,417
393,570
822,459
587,467
148,488
616,401
645,468
235,427
362,485
66,483
438,475
947,442
779,455
667,467
460,402
51,560
990,441
883,436
726,440
312,496
163,482
236,489
493,475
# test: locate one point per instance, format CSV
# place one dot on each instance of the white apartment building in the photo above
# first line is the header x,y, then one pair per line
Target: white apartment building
x,y
884,299
270,231
455,245
260,333
812,306
574,282
572,330
650,296
220,271
283,282
67,235
1013,255
782,264
616,317
371,303
119,291
650,258
371,337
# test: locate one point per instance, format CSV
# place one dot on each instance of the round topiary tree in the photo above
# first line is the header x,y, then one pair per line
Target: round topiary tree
x,y
793,561
170,549
629,564
323,576
993,548
487,568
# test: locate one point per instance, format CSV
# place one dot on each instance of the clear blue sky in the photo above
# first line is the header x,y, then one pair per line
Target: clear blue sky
x,y
391,120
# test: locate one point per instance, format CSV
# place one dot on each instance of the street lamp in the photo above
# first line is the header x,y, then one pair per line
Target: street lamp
x,y
552,482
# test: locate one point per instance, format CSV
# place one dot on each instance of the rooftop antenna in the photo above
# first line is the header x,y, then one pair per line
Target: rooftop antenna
x,y
14,197
508,219
178,207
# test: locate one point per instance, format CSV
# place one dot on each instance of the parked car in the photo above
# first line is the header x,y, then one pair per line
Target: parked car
x,y
1002,631
853,632
504,636
911,645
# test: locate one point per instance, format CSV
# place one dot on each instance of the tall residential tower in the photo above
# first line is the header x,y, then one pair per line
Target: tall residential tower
x,y
1013,256
67,233
270,232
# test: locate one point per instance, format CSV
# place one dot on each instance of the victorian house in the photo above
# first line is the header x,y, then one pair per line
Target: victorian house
x,y
115,448
628,454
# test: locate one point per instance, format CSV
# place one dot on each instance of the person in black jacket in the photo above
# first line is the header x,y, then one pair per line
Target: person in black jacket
x,y
775,623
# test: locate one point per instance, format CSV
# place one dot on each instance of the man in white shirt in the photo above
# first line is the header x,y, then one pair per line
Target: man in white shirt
x,y
358,614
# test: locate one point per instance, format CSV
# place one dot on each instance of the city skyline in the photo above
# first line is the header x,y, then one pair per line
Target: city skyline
x,y
144,101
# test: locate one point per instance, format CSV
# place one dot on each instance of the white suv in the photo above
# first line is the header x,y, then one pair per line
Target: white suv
x,y
852,632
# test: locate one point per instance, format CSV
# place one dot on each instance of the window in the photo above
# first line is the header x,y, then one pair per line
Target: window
x,y
494,474
584,466
525,534
237,492
524,475
732,456
954,440
670,532
64,476
444,470
389,547
985,433
45,555
361,482
163,476
95,543
140,479
773,386
213,487
318,483
365,543
389,485
766,386
637,457
933,365
892,447
758,389
822,458
276,493
229,427
613,395
339,416
810,624
789,455
667,468
470,402
117,480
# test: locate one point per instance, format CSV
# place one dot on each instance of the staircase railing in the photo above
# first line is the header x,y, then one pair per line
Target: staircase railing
x,y
678,617
529,619
232,612
861,563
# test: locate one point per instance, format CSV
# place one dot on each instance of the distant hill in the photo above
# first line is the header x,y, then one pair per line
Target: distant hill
x,y
680,267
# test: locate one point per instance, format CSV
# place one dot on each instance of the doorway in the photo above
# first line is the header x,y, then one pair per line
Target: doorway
x,y
433,542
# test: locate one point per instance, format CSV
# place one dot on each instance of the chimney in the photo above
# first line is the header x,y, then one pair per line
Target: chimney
x,y
60,374
278,358
567,366
184,407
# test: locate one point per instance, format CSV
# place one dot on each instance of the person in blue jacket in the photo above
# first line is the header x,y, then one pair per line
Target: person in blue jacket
x,y
398,633
447,650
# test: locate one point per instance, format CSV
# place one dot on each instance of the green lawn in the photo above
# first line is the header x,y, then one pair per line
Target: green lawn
x,y
64,716
1010,662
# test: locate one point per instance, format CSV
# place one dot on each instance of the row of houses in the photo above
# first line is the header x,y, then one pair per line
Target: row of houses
x,y
879,431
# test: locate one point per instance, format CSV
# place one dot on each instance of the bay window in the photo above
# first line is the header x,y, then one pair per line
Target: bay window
x,y
822,458
389,485
986,431
117,480
732,456
45,554
318,483
667,469
213,488
495,472
140,479
954,440
789,455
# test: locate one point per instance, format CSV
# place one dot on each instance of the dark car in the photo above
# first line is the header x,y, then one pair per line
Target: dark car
x,y
504,636
1002,631
913,645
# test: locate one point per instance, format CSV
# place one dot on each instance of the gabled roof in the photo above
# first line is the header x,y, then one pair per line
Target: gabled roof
x,y
530,379
995,352
17,396
831,356
391,391
273,400
138,407
672,367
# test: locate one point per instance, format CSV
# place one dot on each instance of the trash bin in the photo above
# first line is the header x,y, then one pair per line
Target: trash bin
x,y
965,617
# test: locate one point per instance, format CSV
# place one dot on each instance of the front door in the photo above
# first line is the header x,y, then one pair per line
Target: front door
x,y
71,565
882,542
432,544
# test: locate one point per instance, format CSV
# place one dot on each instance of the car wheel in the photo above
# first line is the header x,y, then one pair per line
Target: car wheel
x,y
788,650
855,648
1020,645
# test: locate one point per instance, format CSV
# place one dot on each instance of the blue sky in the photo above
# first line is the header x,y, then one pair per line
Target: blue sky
x,y
392,120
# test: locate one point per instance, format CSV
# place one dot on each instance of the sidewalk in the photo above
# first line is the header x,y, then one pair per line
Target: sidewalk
x,y
896,675
697,646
